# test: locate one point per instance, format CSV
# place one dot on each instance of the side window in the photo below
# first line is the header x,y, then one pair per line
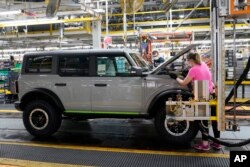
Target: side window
x,y
39,64
73,66
123,65
113,66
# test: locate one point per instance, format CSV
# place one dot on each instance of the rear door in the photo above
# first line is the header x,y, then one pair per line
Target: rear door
x,y
73,82
115,90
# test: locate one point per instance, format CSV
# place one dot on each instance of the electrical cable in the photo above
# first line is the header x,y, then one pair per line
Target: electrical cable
x,y
231,93
238,144
248,101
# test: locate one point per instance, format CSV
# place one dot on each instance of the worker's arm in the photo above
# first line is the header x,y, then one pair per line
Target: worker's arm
x,y
184,82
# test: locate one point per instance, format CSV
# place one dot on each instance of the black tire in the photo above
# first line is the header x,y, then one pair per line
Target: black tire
x,y
175,132
41,119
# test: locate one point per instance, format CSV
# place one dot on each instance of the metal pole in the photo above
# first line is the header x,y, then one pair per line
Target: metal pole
x,y
134,21
193,36
171,18
61,33
171,26
217,47
107,21
124,25
221,75
234,67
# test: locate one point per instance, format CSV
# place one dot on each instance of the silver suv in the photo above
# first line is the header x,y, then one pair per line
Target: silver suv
x,y
98,83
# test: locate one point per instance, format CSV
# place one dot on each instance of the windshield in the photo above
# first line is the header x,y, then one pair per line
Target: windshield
x,y
139,60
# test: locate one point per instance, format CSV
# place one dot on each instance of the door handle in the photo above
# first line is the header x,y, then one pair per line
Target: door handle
x,y
101,85
60,84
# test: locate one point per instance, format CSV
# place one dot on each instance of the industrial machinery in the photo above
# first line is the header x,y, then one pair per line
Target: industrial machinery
x,y
198,108
239,8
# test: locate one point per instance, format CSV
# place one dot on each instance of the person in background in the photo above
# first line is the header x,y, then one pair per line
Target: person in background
x,y
157,59
200,71
12,61
207,59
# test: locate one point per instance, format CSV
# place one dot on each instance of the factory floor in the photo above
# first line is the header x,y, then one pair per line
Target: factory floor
x,y
106,142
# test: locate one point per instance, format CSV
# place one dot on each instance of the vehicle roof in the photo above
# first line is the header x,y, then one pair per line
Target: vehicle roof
x,y
38,53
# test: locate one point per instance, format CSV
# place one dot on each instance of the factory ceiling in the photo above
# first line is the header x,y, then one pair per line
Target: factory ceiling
x,y
30,23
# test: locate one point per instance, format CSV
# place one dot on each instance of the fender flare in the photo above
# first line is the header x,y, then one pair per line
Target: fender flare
x,y
166,93
45,92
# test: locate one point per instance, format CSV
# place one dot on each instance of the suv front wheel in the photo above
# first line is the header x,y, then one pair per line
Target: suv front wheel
x,y
41,119
173,131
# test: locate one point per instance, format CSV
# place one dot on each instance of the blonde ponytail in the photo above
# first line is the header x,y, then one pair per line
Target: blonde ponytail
x,y
195,57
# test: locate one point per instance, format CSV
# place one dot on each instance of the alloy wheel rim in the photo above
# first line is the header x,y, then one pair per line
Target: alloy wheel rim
x,y
38,119
176,128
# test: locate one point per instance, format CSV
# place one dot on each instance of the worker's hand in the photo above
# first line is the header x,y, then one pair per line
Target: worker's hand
x,y
173,75
184,72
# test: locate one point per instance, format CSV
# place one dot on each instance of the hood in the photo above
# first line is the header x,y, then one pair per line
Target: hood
x,y
179,54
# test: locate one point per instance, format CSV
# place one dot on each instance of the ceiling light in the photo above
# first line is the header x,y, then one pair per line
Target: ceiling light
x,y
29,22
40,21
181,16
10,12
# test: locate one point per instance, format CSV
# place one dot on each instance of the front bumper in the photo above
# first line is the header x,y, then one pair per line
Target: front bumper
x,y
17,105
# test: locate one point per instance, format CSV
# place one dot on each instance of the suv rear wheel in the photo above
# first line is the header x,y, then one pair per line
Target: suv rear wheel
x,y
173,131
41,119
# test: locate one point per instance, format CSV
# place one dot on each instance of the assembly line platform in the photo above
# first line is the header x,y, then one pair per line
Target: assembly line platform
x,y
50,154
105,142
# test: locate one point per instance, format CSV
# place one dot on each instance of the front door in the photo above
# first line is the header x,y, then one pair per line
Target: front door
x,y
114,89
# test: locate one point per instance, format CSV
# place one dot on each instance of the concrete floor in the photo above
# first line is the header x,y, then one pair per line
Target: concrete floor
x,y
108,133
127,133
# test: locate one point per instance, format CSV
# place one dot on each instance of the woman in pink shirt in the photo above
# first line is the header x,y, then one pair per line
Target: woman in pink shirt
x,y
200,71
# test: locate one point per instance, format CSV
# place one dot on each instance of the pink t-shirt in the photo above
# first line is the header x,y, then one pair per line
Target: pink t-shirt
x,y
201,72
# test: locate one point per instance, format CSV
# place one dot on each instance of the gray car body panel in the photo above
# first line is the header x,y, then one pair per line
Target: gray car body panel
x,y
76,95
132,94
120,94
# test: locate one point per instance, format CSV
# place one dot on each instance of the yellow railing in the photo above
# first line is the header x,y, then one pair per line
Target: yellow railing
x,y
159,11
7,92
242,83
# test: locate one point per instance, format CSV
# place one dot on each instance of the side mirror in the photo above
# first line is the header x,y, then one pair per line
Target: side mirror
x,y
135,71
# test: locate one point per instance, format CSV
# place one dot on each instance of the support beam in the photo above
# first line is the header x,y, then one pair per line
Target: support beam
x,y
218,54
86,7
96,34
42,21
